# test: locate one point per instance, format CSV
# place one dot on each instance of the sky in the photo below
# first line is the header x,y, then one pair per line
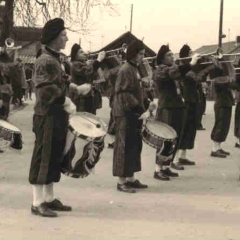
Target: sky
x,y
177,22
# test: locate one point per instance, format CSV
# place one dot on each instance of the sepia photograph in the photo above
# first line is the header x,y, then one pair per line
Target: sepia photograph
x,y
119,120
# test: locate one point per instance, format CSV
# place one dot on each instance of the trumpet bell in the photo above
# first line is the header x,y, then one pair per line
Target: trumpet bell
x,y
9,42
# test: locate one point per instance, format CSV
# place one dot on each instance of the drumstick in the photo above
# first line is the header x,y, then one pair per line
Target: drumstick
x,y
96,124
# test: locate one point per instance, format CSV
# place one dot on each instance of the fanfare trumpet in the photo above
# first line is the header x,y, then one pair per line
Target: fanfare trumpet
x,y
117,50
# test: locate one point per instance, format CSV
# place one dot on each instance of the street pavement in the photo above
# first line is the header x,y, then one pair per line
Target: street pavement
x,y
203,203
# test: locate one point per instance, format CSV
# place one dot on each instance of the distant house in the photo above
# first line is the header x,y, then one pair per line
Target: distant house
x,y
226,47
29,40
127,38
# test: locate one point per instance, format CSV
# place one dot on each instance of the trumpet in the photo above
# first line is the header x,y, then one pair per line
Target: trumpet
x,y
9,43
218,55
117,50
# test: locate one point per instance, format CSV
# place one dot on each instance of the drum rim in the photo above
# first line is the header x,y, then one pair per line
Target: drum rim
x,y
163,124
7,129
83,136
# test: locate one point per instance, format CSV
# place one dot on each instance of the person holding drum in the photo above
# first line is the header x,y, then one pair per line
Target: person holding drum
x,y
127,111
83,73
171,108
50,120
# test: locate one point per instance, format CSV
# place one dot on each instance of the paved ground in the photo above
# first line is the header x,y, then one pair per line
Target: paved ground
x,y
203,203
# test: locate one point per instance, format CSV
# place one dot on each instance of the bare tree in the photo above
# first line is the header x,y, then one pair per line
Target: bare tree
x,y
32,13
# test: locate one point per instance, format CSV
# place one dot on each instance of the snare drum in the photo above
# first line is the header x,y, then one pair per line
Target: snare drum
x,y
160,136
84,144
11,134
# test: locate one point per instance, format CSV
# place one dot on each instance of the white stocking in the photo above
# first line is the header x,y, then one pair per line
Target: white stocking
x,y
131,179
183,154
216,146
37,195
48,192
122,180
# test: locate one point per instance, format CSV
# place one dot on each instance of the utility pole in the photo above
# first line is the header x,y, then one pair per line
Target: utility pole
x,y
228,39
131,17
220,35
90,45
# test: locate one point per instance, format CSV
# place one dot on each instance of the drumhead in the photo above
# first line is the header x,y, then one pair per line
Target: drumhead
x,y
8,126
88,125
161,129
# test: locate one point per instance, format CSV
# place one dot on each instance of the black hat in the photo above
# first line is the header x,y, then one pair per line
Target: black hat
x,y
184,52
161,53
74,51
51,30
133,49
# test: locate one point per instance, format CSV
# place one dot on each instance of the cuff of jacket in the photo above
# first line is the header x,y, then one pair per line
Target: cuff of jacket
x,y
96,65
138,110
60,100
184,69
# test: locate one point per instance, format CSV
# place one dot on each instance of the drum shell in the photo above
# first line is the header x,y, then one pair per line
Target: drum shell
x,y
166,145
80,156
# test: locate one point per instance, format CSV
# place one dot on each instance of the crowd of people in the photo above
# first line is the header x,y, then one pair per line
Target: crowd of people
x,y
16,85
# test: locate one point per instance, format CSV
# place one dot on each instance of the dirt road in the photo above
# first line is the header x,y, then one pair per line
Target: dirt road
x,y
203,203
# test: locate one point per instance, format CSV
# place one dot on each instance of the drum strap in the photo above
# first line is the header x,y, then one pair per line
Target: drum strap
x,y
124,91
44,84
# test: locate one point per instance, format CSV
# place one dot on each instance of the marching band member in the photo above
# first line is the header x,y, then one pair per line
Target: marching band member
x,y
50,120
128,107
237,114
223,111
201,106
190,84
82,74
190,95
171,108
113,73
237,120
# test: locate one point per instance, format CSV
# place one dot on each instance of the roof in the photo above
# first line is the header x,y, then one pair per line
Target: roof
x,y
226,47
28,34
127,38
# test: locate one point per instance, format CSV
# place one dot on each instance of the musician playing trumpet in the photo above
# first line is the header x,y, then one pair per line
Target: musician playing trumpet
x,y
83,75
190,83
171,107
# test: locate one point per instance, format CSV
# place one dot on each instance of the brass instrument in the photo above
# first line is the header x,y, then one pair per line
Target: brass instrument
x,y
9,43
110,51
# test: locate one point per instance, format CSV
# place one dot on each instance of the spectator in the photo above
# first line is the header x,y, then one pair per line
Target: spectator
x,y
7,92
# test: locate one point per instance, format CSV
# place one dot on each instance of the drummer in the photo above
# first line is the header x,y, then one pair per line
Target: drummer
x,y
50,120
171,108
83,73
128,107
112,77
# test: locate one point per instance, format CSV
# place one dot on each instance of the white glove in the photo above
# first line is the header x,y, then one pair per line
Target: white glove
x,y
69,106
84,89
101,56
195,59
145,116
152,106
